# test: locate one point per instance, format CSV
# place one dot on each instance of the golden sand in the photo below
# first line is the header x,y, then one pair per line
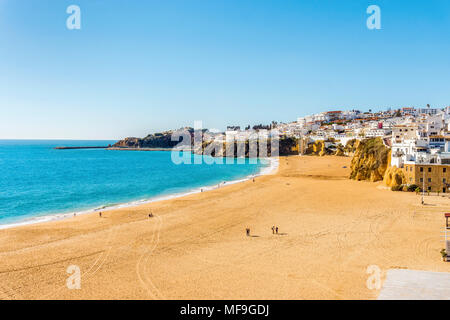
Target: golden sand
x,y
330,230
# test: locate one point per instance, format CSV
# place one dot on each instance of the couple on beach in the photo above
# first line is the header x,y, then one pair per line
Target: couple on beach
x,y
274,230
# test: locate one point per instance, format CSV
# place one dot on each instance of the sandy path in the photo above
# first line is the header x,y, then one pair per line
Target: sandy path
x,y
331,230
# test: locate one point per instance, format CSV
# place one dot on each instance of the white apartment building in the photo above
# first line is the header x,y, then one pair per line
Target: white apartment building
x,y
428,111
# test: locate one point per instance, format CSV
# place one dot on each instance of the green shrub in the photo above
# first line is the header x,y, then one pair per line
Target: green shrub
x,y
397,188
412,188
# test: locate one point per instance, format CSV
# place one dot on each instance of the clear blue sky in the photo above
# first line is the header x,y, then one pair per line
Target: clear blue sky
x,y
137,67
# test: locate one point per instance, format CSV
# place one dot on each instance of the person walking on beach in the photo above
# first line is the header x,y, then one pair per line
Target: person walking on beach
x,y
273,229
247,231
100,214
276,230
150,215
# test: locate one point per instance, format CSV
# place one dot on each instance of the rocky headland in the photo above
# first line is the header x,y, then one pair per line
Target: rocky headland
x,y
370,157
372,162
187,138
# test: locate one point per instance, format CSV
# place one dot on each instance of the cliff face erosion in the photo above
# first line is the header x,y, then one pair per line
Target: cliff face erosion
x,y
317,148
287,145
370,161
394,177
327,147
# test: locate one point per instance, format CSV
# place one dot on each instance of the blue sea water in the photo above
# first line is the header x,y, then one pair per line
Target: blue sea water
x,y
37,180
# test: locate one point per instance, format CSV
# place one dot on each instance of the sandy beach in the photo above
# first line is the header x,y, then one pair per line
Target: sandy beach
x,y
331,229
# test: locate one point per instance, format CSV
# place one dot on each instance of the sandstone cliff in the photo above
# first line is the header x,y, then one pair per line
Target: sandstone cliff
x,y
286,146
351,146
394,177
322,148
370,161
317,148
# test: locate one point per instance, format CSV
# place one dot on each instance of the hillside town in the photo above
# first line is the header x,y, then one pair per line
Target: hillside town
x,y
419,138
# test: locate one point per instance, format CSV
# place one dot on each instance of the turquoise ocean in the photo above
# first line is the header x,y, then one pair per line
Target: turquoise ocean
x,y
38,182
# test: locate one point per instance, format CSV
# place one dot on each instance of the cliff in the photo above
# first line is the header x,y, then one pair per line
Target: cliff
x,y
329,147
317,148
286,146
370,160
394,177
351,146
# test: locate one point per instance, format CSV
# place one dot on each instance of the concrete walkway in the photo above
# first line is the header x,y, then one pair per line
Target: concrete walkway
x,y
404,284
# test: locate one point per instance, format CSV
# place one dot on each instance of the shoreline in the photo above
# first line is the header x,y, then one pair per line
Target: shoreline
x,y
270,168
332,229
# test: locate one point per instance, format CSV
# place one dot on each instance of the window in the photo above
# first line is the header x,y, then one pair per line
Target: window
x,y
443,180
444,170
429,169
421,169
429,179
429,188
421,179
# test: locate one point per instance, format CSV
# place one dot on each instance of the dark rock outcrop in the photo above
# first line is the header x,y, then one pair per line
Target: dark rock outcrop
x,y
167,139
